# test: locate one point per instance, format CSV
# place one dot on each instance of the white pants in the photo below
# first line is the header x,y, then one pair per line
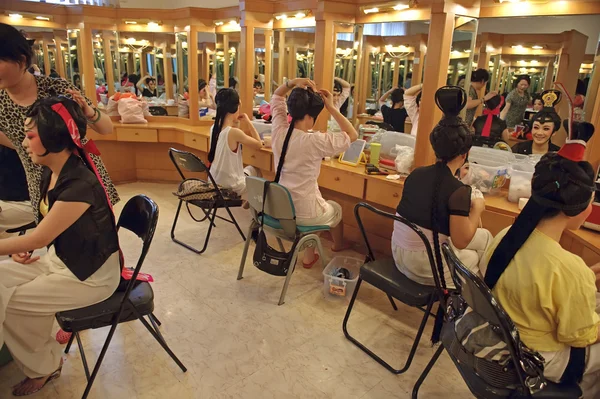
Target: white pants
x,y
556,363
331,216
415,265
14,214
30,296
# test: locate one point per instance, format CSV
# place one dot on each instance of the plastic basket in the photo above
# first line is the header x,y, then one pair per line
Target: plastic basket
x,y
338,287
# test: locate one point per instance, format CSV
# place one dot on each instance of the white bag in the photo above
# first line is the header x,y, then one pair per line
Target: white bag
x,y
131,111
112,108
183,108
405,158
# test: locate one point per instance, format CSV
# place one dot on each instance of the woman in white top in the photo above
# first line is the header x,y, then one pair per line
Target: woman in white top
x,y
300,163
225,155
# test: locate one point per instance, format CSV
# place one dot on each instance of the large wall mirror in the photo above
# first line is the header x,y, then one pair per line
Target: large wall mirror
x,y
294,51
461,63
48,45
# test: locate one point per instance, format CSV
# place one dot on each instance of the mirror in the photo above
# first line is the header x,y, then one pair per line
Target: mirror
x,y
346,64
74,57
461,65
260,64
46,59
181,79
295,54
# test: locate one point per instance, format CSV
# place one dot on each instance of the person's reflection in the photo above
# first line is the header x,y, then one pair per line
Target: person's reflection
x,y
479,79
77,81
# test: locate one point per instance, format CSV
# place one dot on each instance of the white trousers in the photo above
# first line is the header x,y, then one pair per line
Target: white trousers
x,y
30,296
14,214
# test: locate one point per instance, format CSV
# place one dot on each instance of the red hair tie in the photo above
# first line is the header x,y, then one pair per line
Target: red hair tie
x,y
487,127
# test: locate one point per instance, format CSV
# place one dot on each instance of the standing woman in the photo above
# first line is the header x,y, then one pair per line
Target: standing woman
x,y
19,90
479,79
516,103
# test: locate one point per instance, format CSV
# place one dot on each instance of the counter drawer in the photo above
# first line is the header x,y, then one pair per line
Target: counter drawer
x,y
383,193
260,159
196,141
138,134
342,182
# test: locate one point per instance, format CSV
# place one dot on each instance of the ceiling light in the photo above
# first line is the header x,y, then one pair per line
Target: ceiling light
x,y
388,47
97,34
219,23
300,15
533,62
537,47
130,40
401,7
371,10
518,47
232,22
509,1
15,16
152,25
279,17
40,18
468,51
522,62
130,22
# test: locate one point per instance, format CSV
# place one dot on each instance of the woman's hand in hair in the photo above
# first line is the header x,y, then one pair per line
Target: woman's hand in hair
x,y
327,99
24,258
490,95
304,83
79,99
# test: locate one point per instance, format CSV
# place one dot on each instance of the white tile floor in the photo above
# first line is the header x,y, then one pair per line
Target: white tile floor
x,y
234,339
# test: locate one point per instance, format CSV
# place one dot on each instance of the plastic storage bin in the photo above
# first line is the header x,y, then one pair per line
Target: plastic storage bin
x,y
521,174
338,287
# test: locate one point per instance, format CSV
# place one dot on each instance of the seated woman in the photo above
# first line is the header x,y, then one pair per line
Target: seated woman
x,y
148,87
298,154
544,124
205,100
396,114
550,293
225,155
82,265
439,203
489,128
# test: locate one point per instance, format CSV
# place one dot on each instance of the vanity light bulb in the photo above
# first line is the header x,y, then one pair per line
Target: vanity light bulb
x,y
152,25
15,16
401,7
40,18
300,15
371,10
219,23
282,16
537,47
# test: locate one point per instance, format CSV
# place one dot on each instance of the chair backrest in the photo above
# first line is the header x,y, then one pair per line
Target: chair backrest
x,y
157,111
278,205
479,297
140,216
398,218
184,160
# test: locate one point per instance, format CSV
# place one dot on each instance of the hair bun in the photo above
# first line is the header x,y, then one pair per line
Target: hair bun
x,y
451,100
304,101
580,130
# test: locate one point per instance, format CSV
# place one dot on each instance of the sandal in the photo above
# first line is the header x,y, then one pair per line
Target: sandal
x,y
51,377
311,264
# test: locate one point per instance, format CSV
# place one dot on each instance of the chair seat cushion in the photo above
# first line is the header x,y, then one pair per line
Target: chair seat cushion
x,y
274,224
383,274
101,314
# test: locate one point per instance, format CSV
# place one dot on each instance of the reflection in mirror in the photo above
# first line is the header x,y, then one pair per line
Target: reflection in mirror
x,y
181,80
74,54
44,49
294,49
592,82
258,86
461,65
346,61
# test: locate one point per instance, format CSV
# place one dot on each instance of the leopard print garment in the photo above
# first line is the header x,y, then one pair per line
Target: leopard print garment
x,y
12,124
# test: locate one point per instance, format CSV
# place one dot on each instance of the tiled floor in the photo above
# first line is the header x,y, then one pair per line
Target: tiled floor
x,y
234,339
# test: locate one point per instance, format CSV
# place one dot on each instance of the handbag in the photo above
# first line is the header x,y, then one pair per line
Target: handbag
x,y
267,258
196,189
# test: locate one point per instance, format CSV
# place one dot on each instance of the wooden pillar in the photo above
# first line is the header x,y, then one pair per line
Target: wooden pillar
x,y
324,63
247,56
268,63
206,64
592,92
46,57
366,80
418,61
192,73
143,63
571,57
438,57
86,63
483,61
292,63
281,59
168,68
496,76
108,63
396,75
60,61
359,87
226,59
549,76
593,147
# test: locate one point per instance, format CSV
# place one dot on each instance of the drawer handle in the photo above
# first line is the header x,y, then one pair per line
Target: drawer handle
x,y
395,195
336,178
137,134
194,140
252,156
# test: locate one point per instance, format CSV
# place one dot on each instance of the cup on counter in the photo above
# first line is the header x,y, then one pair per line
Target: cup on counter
x,y
267,140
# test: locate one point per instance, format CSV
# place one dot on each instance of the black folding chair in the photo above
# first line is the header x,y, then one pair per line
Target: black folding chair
x,y
520,377
381,125
140,216
384,275
191,163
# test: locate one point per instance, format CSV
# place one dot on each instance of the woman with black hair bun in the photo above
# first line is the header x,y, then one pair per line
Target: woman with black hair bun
x,y
543,126
227,138
298,154
550,294
82,264
479,79
516,102
444,208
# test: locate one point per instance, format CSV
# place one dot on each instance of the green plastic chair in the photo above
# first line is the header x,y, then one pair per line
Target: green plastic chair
x,y
280,221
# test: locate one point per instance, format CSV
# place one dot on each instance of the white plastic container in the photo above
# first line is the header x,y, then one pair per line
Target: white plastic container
x,y
338,287
521,174
488,178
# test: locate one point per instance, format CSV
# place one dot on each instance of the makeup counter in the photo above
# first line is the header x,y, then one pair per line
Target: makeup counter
x,y
139,153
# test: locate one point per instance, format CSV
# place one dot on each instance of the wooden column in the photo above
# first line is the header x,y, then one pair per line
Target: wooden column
x,y
268,63
438,56
592,92
483,61
571,57
168,67
108,63
396,75
292,64
246,59
60,61
324,63
46,57
593,147
549,76
359,87
206,64
226,60
418,61
192,72
281,59
86,63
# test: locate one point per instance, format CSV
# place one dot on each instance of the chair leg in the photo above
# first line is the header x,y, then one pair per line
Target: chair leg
x,y
155,326
320,250
82,354
210,226
392,302
68,348
237,226
175,220
281,247
161,341
371,353
155,319
289,276
425,372
245,252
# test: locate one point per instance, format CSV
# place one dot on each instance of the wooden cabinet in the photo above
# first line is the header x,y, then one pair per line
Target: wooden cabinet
x,y
384,193
262,160
342,181
496,222
196,141
137,134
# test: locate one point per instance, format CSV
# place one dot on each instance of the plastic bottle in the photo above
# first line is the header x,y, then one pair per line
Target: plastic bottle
x,y
375,149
